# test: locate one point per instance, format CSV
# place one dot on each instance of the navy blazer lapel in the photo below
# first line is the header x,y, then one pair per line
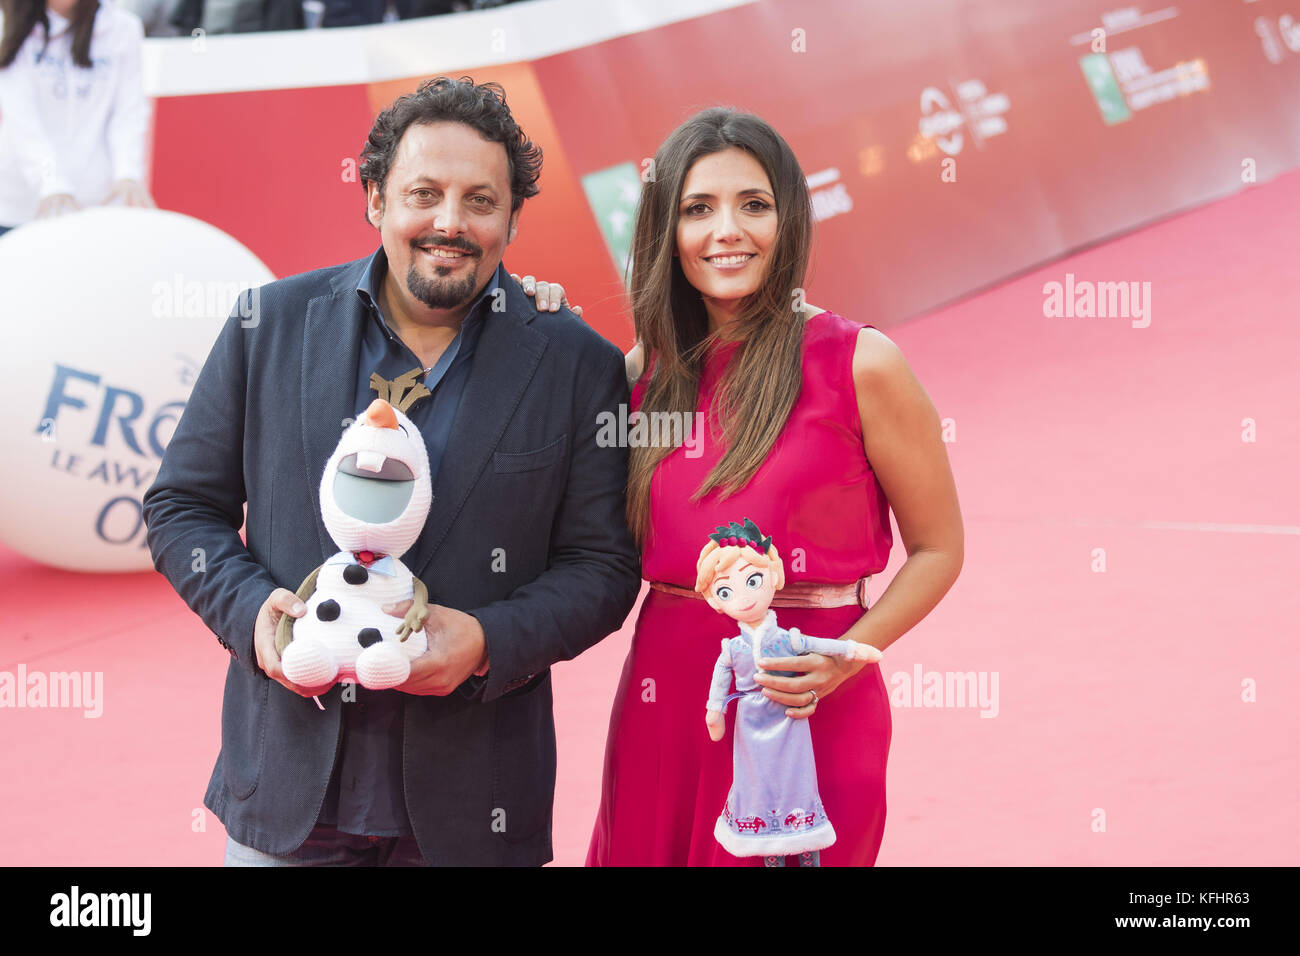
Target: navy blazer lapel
x,y
505,360
331,348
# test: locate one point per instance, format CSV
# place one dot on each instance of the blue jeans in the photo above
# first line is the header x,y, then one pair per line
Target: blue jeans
x,y
326,846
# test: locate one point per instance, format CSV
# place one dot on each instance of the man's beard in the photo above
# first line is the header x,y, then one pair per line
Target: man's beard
x,y
440,293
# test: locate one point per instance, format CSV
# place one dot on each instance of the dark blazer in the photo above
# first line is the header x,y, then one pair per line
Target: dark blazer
x,y
522,473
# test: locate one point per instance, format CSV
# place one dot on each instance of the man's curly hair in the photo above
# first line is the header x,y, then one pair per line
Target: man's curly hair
x,y
440,100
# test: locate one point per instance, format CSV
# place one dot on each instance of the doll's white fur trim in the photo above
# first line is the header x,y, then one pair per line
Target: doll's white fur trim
x,y
763,628
783,844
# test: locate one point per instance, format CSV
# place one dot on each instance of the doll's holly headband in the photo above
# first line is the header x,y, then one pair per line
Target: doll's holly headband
x,y
740,534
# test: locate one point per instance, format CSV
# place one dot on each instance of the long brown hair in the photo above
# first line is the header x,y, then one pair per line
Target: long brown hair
x,y
21,17
764,375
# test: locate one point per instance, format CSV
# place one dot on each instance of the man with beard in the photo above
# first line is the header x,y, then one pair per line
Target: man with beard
x,y
526,554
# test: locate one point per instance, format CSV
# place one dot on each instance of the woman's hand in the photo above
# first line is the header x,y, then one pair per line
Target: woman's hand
x,y
131,193
819,676
548,296
56,205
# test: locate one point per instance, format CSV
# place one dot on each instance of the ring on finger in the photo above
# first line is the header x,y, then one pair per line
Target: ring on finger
x,y
816,700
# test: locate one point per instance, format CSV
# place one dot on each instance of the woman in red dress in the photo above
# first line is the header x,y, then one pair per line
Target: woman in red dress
x,y
761,406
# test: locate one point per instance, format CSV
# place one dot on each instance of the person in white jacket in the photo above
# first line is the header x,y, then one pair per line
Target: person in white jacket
x,y
73,114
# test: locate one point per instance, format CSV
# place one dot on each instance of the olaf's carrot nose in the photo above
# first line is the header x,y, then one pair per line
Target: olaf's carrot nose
x,y
381,415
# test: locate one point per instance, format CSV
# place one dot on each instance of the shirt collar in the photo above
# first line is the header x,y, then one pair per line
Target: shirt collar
x,y
58,22
765,626
372,278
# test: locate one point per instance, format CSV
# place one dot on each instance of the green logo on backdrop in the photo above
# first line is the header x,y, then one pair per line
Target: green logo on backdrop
x,y
613,194
1105,89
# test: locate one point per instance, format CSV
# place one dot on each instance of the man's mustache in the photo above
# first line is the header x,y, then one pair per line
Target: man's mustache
x,y
464,245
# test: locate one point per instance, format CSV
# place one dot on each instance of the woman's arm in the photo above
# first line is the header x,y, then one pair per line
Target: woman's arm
x,y
635,360
128,119
902,440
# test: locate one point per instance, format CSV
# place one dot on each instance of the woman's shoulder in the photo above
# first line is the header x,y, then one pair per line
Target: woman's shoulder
x,y
830,339
826,324
827,330
830,332
853,358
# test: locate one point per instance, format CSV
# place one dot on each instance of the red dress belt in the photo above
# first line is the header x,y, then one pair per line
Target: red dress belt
x,y
798,594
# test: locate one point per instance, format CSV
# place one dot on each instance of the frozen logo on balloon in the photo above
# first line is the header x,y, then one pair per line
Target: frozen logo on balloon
x,y
127,438
99,379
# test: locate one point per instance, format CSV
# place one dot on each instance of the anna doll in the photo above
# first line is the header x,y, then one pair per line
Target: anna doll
x,y
773,809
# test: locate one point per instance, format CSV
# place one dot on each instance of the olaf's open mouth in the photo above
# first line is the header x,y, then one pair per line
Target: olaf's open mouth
x,y
373,488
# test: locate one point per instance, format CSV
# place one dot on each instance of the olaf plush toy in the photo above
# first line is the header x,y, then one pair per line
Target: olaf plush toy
x,y
375,498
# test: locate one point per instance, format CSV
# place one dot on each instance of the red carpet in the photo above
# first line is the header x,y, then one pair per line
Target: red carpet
x,y
1121,734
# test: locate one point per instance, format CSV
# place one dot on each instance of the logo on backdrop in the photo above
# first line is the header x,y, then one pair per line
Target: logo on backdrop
x,y
969,110
613,194
829,195
1120,80
1277,38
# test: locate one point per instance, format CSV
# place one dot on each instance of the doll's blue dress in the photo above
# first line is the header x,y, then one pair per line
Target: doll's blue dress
x,y
773,808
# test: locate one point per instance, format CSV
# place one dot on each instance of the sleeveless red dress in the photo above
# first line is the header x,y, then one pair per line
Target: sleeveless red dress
x,y
665,781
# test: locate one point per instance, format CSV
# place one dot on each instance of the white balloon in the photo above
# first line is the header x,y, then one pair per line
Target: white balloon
x,y
106,317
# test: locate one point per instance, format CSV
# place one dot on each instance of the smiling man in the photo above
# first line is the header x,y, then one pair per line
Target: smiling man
x,y
526,555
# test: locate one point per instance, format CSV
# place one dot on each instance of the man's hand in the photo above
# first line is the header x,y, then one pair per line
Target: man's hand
x,y
457,649
281,602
